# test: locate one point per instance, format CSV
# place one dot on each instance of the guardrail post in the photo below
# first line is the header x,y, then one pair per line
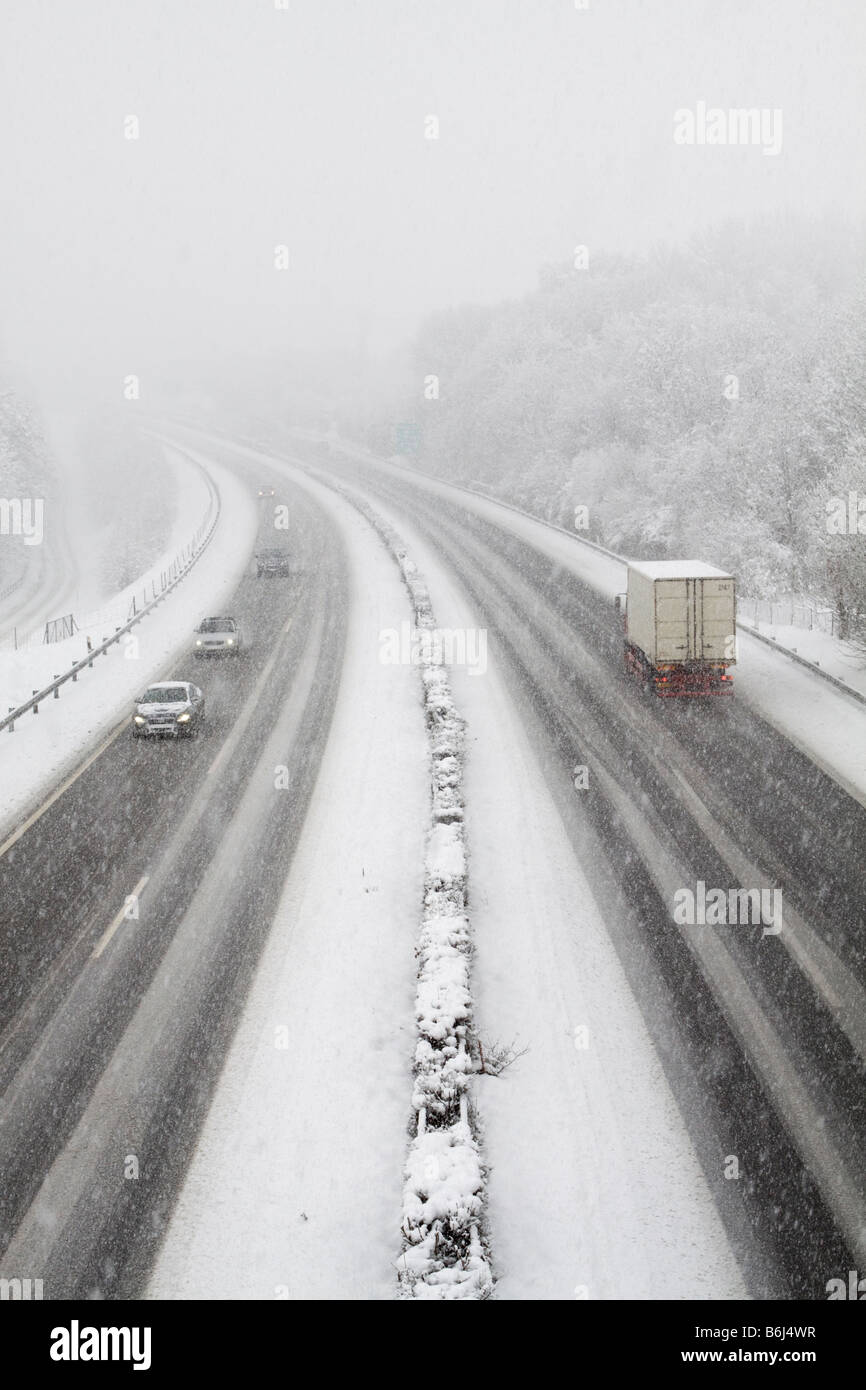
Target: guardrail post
x,y
35,707
10,727
57,688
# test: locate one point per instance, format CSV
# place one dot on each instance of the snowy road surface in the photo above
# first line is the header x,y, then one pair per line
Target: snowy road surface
x,y
111,1041
685,1119
762,1050
583,1179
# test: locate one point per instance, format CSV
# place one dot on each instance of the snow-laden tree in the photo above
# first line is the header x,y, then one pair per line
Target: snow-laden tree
x,y
695,401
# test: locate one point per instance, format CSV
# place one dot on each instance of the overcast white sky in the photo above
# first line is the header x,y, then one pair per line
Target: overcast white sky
x,y
305,126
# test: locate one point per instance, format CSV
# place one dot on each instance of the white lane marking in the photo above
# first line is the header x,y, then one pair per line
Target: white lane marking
x,y
116,921
217,760
252,699
31,820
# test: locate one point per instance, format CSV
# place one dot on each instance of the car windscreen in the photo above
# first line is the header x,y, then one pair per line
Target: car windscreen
x,y
164,695
218,625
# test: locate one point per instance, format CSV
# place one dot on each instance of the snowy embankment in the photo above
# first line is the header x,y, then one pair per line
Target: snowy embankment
x,y
46,747
828,653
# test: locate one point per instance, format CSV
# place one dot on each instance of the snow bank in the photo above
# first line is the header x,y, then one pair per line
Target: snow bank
x,y
830,655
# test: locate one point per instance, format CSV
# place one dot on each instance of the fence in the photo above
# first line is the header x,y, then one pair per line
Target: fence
x,y
58,629
793,612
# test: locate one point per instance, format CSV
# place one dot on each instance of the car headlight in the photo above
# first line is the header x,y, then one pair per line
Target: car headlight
x,y
183,718
139,719
198,642
230,641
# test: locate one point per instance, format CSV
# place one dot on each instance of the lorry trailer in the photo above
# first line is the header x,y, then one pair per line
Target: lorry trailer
x,y
680,625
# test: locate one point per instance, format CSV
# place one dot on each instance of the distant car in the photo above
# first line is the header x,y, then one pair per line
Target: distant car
x,y
218,637
273,563
267,492
171,709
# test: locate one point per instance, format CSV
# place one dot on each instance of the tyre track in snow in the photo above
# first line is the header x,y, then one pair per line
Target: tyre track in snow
x,y
808,1227
116,1057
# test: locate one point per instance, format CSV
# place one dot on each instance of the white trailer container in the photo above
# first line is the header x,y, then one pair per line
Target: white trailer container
x,y
680,627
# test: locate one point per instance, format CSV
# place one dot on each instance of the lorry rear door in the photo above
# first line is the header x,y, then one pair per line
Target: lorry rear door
x,y
715,619
674,619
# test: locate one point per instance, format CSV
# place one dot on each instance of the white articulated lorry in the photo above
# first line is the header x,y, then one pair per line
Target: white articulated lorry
x,y
680,627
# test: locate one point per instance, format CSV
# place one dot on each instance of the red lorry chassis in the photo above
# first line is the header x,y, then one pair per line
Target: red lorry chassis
x,y
678,678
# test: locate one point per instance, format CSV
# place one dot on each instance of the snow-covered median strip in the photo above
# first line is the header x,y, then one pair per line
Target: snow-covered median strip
x,y
445,1254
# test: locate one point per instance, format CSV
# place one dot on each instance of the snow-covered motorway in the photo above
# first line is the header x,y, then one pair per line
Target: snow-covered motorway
x,y
762,1036
113,1023
687,1119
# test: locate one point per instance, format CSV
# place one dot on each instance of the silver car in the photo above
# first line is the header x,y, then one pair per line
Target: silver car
x,y
218,637
171,709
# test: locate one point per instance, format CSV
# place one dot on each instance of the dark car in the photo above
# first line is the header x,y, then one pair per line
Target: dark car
x,y
273,563
171,709
218,637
